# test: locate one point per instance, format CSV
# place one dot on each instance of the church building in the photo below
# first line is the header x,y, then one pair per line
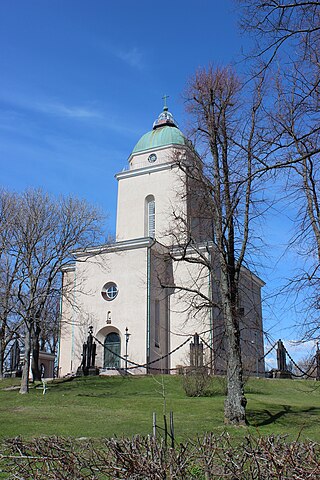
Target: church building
x,y
141,302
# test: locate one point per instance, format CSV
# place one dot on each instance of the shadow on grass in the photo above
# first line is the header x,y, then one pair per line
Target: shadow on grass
x,y
94,395
264,417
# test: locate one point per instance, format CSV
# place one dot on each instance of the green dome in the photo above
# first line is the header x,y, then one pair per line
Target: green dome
x,y
165,132
160,137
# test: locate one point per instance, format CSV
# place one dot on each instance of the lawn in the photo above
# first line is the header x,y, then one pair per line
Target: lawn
x,y
107,406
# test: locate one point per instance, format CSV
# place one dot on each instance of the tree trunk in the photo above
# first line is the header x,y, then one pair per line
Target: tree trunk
x,y
235,403
36,372
26,363
1,361
2,349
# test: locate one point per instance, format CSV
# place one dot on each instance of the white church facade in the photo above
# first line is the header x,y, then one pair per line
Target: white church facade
x,y
129,291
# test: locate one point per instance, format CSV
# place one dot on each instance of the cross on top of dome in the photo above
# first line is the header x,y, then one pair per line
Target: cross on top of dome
x,y
165,117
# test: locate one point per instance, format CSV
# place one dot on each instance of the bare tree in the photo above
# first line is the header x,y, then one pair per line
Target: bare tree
x,y
287,28
221,185
9,320
50,324
8,270
44,233
295,126
287,35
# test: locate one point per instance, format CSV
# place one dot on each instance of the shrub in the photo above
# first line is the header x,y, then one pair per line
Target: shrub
x,y
198,383
210,457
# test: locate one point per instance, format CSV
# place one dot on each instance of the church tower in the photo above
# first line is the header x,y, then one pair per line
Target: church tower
x,y
151,188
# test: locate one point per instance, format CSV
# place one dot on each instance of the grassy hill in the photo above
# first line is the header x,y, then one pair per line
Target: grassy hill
x,y
107,406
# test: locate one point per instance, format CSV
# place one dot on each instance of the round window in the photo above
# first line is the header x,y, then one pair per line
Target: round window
x,y
109,291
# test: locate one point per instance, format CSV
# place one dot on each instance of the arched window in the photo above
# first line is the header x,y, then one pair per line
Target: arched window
x,y
150,216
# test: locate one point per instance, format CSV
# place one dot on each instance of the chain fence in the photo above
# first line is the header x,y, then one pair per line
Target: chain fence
x,y
146,365
134,365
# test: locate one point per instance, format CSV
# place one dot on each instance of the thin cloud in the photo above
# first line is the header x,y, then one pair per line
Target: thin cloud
x,y
63,110
132,57
300,349
51,107
14,114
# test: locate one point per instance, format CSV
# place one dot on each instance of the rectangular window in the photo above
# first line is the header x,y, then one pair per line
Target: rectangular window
x,y
157,323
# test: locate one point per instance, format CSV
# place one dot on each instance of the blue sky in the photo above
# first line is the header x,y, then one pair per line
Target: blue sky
x,y
82,80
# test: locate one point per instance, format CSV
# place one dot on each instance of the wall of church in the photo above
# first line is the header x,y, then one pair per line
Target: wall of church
x,y
200,206
67,321
160,277
251,329
127,269
251,324
189,314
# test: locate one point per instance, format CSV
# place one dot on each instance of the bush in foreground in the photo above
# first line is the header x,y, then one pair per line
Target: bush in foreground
x,y
209,457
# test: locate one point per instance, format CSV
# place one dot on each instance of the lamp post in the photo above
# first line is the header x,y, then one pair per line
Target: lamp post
x,y
127,335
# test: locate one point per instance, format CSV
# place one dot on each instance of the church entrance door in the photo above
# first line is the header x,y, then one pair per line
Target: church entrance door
x,y
112,348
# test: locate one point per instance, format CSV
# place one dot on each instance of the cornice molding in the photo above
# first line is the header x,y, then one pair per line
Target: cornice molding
x,y
144,170
132,244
